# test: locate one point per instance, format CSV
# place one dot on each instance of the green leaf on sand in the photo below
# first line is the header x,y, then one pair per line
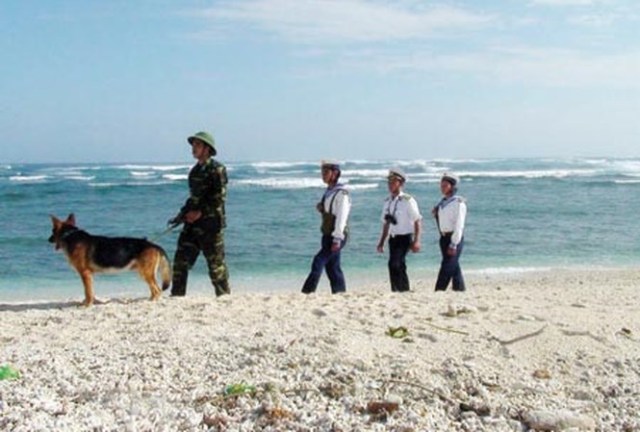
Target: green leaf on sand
x,y
239,389
8,372
398,332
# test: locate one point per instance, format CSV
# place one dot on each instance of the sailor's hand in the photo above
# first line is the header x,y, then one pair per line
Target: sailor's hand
x,y
451,251
380,247
192,216
415,246
434,212
174,221
335,247
319,207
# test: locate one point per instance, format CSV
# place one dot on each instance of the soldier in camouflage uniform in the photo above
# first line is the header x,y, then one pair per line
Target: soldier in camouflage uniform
x,y
203,216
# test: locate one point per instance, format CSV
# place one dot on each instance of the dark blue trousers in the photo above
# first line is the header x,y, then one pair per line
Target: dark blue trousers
x,y
327,260
398,249
450,267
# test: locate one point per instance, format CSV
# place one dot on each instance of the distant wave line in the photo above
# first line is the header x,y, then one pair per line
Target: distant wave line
x,y
80,177
150,167
27,178
276,165
282,183
557,173
175,177
508,270
301,183
130,184
363,186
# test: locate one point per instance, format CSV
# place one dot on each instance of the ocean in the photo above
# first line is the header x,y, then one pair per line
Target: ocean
x,y
523,215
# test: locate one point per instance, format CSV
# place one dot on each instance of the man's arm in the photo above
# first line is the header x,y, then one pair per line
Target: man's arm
x,y
459,227
414,213
383,237
342,206
417,234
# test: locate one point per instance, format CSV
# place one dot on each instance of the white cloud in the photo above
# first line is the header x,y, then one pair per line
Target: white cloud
x,y
593,20
528,66
568,68
330,21
385,36
564,2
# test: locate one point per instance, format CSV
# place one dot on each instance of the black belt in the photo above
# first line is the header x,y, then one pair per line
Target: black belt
x,y
444,234
400,235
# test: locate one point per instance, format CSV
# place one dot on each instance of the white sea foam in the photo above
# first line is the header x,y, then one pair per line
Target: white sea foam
x,y
412,180
104,184
132,167
553,173
627,167
175,177
170,167
142,173
80,177
366,173
150,183
130,184
458,161
286,172
282,183
70,173
141,167
362,162
364,186
596,161
508,270
28,178
65,169
421,163
278,165
627,181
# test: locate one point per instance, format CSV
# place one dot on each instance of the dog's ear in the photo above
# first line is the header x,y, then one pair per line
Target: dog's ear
x,y
55,221
71,219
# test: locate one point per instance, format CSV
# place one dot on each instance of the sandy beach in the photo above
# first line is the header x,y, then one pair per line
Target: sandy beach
x,y
550,350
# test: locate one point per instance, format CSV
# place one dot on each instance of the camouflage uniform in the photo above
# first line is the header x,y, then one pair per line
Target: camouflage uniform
x,y
208,191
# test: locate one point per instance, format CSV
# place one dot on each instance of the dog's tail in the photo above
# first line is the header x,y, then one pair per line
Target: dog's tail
x,y
165,269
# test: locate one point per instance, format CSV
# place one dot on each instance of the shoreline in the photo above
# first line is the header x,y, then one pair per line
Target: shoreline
x,y
547,350
127,285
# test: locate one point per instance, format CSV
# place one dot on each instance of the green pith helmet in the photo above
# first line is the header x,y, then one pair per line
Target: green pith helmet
x,y
206,138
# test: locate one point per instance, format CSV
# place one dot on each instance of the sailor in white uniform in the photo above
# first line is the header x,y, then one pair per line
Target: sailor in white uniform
x,y
334,207
450,214
402,223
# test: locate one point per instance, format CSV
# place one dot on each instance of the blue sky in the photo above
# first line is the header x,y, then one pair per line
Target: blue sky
x,y
125,81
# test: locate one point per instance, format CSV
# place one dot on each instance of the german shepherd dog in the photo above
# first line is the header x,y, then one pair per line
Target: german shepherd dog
x,y
89,254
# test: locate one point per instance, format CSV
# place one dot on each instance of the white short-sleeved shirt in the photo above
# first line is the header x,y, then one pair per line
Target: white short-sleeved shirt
x,y
405,209
452,213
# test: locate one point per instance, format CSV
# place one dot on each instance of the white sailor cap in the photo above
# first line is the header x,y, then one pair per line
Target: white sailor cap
x,y
330,164
451,178
397,173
